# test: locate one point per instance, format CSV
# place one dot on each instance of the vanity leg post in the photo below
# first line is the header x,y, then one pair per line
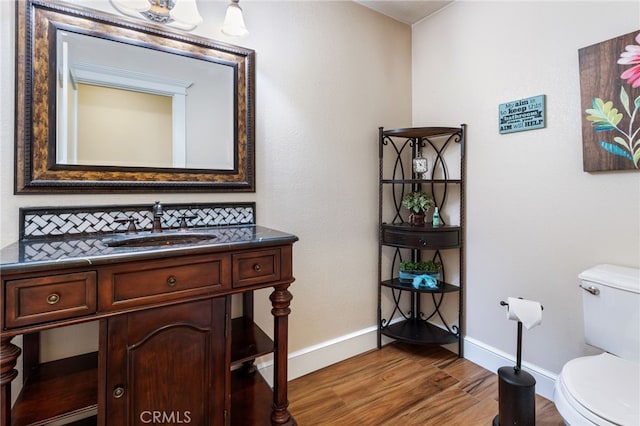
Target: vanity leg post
x,y
30,353
8,358
248,367
280,300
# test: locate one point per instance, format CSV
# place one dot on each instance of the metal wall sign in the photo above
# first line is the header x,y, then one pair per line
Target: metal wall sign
x,y
523,114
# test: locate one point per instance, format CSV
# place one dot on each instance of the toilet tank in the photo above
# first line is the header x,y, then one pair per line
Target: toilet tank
x,y
611,302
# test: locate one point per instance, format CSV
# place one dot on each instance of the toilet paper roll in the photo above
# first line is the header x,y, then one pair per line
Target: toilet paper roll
x,y
528,312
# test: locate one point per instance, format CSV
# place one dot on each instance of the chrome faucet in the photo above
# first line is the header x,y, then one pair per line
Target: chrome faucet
x,y
157,217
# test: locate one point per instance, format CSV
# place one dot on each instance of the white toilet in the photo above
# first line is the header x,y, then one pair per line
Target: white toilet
x,y
605,389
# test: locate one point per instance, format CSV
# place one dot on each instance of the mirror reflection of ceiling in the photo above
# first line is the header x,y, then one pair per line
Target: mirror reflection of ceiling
x,y
202,93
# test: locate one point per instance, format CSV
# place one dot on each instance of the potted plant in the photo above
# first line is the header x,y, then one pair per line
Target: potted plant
x,y
410,270
418,203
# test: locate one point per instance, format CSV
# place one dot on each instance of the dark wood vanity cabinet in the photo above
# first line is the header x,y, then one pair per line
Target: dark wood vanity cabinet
x,y
170,350
166,364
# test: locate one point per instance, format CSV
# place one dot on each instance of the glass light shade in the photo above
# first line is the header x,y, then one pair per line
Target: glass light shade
x,y
124,6
234,22
186,12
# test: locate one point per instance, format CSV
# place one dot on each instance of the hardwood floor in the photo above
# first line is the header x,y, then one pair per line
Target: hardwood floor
x,y
403,385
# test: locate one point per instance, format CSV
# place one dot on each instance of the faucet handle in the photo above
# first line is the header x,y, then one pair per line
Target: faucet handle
x,y
157,209
183,221
131,229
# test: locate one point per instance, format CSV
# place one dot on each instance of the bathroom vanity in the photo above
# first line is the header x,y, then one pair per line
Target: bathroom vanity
x,y
170,350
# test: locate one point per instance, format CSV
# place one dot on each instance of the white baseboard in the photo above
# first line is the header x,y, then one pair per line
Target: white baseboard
x,y
335,350
491,359
322,355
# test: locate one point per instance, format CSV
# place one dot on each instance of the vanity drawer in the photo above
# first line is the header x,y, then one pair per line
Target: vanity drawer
x,y
429,239
256,267
149,282
51,298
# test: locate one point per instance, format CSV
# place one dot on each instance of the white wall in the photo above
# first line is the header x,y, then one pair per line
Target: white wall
x,y
535,219
327,75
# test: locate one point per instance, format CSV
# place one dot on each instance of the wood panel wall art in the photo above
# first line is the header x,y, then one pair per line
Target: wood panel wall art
x,y
610,104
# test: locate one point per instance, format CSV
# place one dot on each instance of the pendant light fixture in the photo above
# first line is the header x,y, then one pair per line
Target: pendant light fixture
x,y
181,14
233,21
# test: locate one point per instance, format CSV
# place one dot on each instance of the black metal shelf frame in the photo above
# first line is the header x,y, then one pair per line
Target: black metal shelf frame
x,y
400,147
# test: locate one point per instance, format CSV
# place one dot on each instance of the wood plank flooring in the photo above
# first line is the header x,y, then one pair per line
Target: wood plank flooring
x,y
403,385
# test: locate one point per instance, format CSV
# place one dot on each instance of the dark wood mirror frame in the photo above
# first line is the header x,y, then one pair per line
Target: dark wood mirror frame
x,y
36,170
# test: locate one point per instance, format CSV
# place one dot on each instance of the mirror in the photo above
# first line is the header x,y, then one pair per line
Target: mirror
x,y
112,104
115,98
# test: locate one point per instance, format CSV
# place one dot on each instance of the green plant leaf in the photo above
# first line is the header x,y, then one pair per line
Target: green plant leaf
x,y
615,150
427,266
603,115
418,201
637,102
636,158
622,142
624,98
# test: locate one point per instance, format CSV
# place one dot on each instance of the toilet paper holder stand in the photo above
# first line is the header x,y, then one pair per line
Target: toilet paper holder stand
x,y
516,391
518,365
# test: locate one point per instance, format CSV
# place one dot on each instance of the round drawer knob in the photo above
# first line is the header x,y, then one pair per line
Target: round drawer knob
x,y
172,281
423,242
118,392
53,298
257,267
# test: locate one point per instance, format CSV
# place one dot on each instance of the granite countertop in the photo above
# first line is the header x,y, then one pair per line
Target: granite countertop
x,y
73,251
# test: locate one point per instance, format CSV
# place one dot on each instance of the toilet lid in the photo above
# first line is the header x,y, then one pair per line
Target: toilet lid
x,y
605,385
614,276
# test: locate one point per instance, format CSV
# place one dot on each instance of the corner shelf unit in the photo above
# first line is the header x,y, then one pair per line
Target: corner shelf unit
x,y
405,313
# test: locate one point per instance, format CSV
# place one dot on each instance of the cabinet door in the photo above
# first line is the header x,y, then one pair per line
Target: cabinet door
x,y
167,365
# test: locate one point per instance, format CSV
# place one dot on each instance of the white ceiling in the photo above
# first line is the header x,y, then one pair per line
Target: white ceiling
x,y
405,11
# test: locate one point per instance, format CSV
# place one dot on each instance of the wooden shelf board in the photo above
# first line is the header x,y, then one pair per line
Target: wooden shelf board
x,y
427,227
76,378
89,421
422,132
251,399
408,286
248,341
419,332
423,181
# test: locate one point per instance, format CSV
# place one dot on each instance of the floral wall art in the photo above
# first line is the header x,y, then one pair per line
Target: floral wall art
x,y
610,96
